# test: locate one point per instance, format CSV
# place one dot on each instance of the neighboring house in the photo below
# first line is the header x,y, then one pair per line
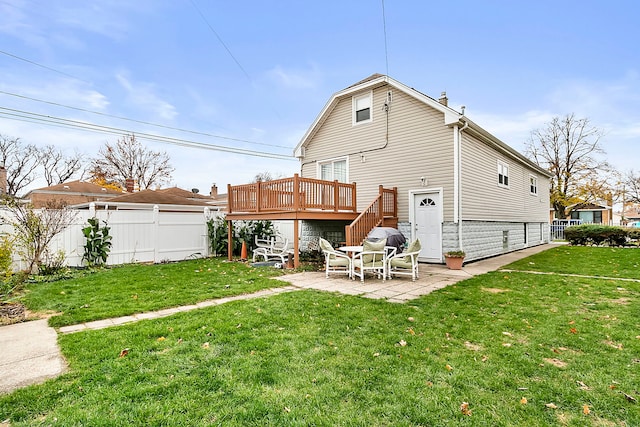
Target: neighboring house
x,y
591,213
69,193
458,186
588,213
167,200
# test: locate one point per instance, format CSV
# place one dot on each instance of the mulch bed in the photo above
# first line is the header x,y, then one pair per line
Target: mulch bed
x,y
12,312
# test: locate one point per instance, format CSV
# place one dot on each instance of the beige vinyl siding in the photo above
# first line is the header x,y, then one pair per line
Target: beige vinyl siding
x,y
419,144
483,199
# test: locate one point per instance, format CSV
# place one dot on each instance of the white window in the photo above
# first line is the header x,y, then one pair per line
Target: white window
x,y
503,174
362,109
533,185
335,169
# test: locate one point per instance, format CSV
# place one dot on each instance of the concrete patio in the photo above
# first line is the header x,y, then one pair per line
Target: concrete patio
x,y
402,289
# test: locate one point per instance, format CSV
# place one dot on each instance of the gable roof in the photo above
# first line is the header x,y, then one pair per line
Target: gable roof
x,y
451,117
177,191
77,187
157,197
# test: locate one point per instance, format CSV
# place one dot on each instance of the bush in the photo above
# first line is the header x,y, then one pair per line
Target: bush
x,y
97,243
242,231
596,234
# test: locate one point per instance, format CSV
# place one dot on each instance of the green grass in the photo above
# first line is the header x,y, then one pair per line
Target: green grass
x,y
590,261
130,289
314,358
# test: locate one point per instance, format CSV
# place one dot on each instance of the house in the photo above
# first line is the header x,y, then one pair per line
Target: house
x,y
172,199
454,185
69,193
590,213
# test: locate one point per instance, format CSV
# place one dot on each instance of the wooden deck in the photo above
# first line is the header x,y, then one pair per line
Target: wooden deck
x,y
293,198
308,199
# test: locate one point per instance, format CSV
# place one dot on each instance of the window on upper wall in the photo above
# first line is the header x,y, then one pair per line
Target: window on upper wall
x,y
533,185
335,169
503,174
362,109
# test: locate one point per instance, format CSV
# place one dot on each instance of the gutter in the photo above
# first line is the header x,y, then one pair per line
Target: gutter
x,y
457,182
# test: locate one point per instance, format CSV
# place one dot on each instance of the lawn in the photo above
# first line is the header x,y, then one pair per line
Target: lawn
x,y
501,349
590,261
134,288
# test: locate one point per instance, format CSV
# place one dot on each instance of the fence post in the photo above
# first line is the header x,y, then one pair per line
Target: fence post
x,y
92,210
156,232
207,246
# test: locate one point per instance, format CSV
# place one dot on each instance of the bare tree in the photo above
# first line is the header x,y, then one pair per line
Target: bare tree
x,y
58,167
632,187
266,176
35,228
128,158
568,147
21,162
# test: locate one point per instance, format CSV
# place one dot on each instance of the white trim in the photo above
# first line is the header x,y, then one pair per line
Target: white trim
x,y
319,164
506,166
536,184
354,101
412,213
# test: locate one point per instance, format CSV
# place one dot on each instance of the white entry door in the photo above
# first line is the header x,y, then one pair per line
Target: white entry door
x,y
428,225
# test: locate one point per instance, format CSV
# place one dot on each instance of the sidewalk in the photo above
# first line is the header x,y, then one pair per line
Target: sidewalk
x,y
30,352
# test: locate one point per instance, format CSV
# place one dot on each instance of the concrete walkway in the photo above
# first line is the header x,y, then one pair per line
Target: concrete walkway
x,y
30,355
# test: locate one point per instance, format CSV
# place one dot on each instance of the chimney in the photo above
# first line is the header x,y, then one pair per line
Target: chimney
x,y
214,191
443,99
129,185
3,180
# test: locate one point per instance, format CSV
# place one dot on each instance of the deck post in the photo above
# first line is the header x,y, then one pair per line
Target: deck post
x,y
381,204
336,195
230,240
296,244
229,199
296,192
354,199
258,195
395,202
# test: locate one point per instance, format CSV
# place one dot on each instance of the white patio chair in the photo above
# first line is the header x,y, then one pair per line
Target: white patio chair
x,y
373,258
276,248
405,263
334,260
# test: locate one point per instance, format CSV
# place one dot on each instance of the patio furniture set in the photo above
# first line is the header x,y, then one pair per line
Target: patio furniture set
x,y
376,258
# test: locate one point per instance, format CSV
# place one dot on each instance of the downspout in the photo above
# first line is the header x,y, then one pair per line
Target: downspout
x,y
457,181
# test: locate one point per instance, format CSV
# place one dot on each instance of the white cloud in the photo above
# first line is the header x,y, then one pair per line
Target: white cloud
x,y
295,79
143,96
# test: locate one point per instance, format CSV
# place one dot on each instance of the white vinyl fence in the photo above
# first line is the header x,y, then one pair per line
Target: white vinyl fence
x,y
138,236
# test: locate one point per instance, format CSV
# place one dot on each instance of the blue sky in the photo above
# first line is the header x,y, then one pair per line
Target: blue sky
x,y
260,72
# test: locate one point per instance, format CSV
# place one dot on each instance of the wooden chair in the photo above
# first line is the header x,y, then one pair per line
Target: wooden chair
x,y
373,258
405,263
335,261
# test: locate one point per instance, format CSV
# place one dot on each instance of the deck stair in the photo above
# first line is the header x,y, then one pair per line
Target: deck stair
x,y
382,212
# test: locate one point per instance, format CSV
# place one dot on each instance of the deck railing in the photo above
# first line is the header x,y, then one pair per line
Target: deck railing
x,y
384,205
292,194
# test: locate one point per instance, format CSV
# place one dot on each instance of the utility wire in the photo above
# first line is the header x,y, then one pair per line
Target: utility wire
x,y
384,29
140,121
26,116
220,39
42,66
206,21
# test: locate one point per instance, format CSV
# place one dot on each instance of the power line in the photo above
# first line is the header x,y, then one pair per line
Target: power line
x,y
30,117
42,66
140,121
384,29
220,40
